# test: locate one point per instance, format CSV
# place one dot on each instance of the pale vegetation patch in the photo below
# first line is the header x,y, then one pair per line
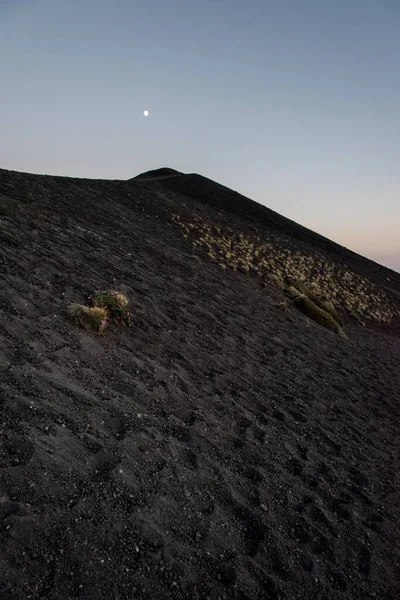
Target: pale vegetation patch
x,y
331,286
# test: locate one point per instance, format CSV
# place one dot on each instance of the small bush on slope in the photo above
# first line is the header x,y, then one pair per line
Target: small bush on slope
x,y
104,306
309,308
327,306
323,312
90,318
292,292
314,294
115,303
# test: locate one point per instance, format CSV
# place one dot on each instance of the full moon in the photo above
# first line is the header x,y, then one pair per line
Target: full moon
x,y
146,113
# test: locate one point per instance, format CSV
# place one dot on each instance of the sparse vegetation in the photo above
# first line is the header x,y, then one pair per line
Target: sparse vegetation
x,y
329,285
104,306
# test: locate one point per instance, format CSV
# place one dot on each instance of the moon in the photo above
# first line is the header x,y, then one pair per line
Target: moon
x,y
146,113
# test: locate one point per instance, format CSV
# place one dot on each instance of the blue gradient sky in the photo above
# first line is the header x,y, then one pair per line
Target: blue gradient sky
x,y
294,103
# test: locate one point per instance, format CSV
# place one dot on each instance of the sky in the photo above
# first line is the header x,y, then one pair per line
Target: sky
x,y
293,103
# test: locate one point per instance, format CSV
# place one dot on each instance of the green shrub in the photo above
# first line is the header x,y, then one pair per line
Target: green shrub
x,y
324,318
114,302
90,318
292,292
316,297
327,306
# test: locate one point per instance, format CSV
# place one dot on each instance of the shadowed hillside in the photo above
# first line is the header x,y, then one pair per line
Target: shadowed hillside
x,y
197,188
240,440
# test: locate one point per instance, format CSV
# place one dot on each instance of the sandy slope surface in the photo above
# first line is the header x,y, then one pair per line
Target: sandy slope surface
x,y
220,448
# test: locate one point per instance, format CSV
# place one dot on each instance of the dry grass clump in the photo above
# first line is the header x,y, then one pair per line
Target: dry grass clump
x,y
312,305
115,303
300,287
91,318
292,292
112,299
328,307
317,314
332,286
315,295
275,280
104,306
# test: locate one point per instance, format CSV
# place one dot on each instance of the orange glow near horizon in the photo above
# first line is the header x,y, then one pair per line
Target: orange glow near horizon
x,y
381,244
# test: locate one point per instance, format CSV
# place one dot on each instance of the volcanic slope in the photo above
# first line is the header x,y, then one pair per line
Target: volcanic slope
x,y
224,446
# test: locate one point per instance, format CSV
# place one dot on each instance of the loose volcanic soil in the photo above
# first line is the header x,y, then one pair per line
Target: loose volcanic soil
x,y
219,448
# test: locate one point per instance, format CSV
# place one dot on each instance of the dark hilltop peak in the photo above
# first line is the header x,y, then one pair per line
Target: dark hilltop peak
x,y
158,173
